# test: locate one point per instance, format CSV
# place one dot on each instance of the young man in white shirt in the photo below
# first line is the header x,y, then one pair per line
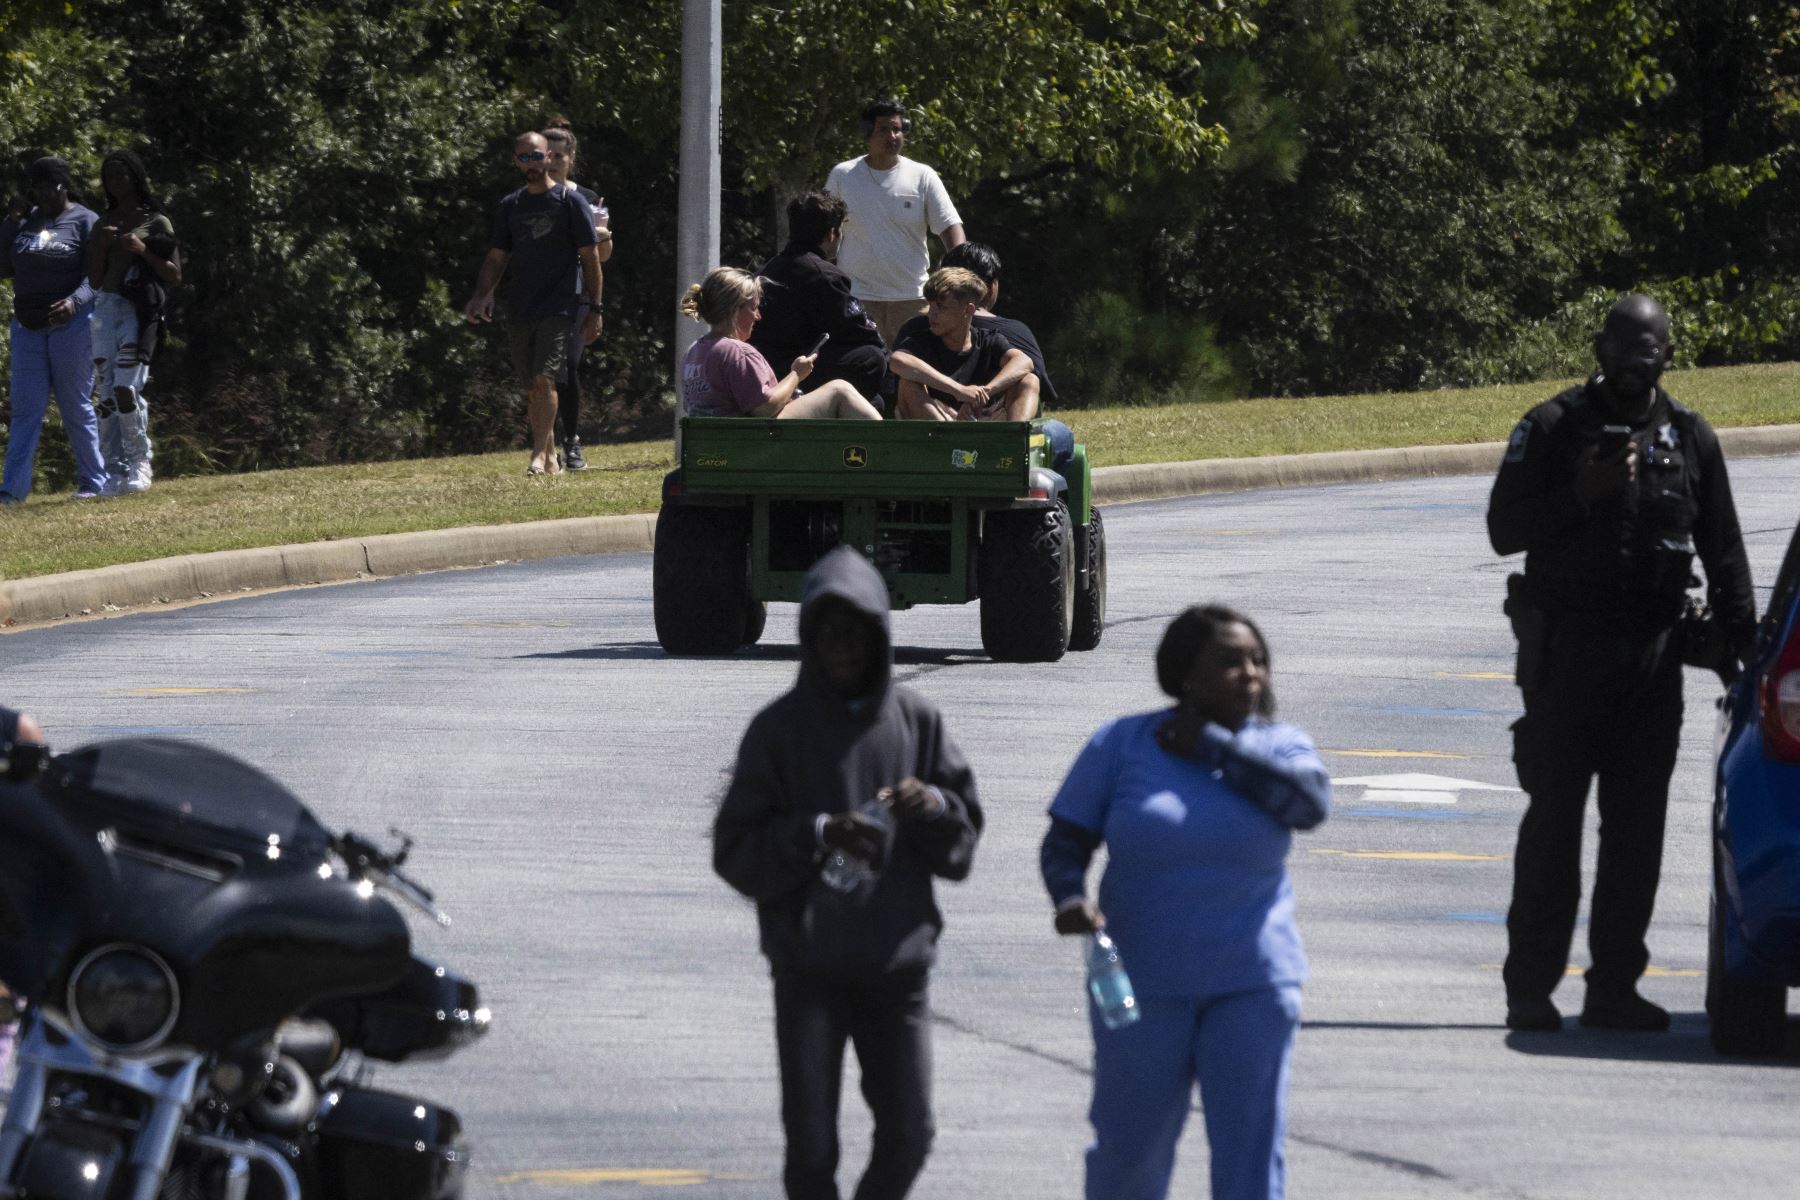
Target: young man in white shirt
x,y
894,203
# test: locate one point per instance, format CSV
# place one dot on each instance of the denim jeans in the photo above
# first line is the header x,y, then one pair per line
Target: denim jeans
x,y
124,423
56,358
889,1023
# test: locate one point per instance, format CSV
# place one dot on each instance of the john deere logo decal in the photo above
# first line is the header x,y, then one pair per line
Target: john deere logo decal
x,y
856,456
963,460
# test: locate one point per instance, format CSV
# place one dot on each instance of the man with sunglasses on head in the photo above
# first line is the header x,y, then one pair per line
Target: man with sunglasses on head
x,y
562,146
545,232
894,203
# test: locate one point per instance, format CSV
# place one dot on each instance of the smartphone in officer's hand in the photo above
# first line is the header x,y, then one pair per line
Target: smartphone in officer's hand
x,y
818,345
1613,440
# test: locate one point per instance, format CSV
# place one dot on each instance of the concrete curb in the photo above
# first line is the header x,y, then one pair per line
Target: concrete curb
x,y
227,572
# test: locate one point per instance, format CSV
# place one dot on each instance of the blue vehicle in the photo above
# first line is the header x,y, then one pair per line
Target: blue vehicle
x,y
1753,953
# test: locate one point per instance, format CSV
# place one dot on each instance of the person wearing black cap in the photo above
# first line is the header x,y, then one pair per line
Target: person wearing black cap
x,y
849,768
43,250
1610,489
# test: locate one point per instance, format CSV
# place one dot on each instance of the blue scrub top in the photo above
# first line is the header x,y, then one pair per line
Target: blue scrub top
x,y
1196,891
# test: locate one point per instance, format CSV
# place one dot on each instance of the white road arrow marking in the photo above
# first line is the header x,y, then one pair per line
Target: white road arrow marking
x,y
1415,788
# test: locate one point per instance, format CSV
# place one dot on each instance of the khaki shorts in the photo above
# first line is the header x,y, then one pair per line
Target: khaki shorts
x,y
890,315
539,347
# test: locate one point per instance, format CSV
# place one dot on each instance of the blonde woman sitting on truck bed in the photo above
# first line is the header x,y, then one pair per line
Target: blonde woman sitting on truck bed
x,y
723,375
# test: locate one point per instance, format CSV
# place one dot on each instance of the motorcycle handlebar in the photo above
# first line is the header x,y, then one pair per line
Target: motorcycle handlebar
x,y
368,862
23,749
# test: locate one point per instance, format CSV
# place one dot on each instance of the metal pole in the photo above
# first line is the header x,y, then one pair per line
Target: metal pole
x,y
697,237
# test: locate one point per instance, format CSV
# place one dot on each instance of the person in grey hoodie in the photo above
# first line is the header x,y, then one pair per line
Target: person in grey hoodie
x,y
849,764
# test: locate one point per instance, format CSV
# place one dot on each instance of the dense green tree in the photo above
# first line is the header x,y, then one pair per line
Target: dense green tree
x,y
1446,197
1331,194
1707,94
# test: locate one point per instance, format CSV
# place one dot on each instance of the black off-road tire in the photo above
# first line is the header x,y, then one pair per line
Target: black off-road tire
x,y
1090,599
700,578
756,618
1026,572
1746,1018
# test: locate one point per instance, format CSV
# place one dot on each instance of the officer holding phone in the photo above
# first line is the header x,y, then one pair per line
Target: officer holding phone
x,y
1610,489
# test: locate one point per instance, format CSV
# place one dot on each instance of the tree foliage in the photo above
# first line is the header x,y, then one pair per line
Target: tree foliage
x,y
1283,195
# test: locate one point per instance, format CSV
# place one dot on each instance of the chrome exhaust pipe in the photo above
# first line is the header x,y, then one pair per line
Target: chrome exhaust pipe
x,y
243,1150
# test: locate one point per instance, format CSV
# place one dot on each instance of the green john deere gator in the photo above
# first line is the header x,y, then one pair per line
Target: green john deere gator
x,y
948,512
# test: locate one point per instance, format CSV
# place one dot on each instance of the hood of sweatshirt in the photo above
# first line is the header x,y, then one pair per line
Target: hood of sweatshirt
x,y
845,576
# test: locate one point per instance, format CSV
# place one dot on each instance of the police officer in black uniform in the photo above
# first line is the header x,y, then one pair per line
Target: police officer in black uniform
x,y
805,294
1609,489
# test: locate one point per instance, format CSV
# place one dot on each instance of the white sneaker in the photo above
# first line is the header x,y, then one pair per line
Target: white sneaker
x,y
137,479
114,486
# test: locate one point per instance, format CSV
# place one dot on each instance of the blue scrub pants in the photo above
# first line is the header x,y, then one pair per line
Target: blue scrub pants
x,y
58,358
1238,1048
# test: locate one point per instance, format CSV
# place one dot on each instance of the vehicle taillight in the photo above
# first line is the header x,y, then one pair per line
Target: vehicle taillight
x,y
1781,702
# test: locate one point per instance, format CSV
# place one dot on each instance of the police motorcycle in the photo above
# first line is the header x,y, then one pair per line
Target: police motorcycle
x,y
204,972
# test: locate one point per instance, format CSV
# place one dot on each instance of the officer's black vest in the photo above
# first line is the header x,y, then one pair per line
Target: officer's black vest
x,y
1633,554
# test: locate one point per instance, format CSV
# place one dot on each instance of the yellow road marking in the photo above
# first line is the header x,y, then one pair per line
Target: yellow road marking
x,y
1649,972
1416,855
1496,675
183,691
648,1176
1398,754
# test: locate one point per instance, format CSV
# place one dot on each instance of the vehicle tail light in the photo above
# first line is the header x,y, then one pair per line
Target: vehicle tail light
x,y
1781,702
1038,493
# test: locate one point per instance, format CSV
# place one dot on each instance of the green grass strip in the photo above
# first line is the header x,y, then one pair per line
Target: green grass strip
x,y
50,534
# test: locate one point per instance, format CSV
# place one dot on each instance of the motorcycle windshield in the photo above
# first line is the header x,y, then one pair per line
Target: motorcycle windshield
x,y
190,792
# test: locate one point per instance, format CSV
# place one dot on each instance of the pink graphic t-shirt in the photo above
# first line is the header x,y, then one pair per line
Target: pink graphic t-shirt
x,y
723,377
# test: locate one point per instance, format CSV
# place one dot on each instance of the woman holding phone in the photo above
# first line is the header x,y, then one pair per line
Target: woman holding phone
x,y
723,375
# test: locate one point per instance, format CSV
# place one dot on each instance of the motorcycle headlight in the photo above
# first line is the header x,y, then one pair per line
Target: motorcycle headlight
x,y
123,997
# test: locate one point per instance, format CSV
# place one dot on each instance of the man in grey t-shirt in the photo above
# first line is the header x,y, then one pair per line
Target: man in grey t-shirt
x,y
544,231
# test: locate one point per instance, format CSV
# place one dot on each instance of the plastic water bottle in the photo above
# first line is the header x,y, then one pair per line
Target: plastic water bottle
x,y
845,872
1110,986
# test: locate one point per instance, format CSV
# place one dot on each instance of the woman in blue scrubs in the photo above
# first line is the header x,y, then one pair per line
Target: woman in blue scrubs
x,y
1196,805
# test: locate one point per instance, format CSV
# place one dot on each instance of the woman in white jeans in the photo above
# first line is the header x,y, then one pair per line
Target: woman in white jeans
x,y
723,375
132,262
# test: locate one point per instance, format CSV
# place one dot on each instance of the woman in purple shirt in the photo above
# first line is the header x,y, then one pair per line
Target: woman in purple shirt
x,y
43,250
1195,804
723,375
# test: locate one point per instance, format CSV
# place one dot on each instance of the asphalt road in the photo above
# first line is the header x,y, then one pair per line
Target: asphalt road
x,y
560,774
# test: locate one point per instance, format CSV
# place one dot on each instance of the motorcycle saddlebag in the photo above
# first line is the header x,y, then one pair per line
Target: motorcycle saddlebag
x,y
385,1146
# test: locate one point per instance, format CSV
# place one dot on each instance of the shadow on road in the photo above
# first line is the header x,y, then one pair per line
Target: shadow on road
x,y
1685,1042
1401,1026
904,656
